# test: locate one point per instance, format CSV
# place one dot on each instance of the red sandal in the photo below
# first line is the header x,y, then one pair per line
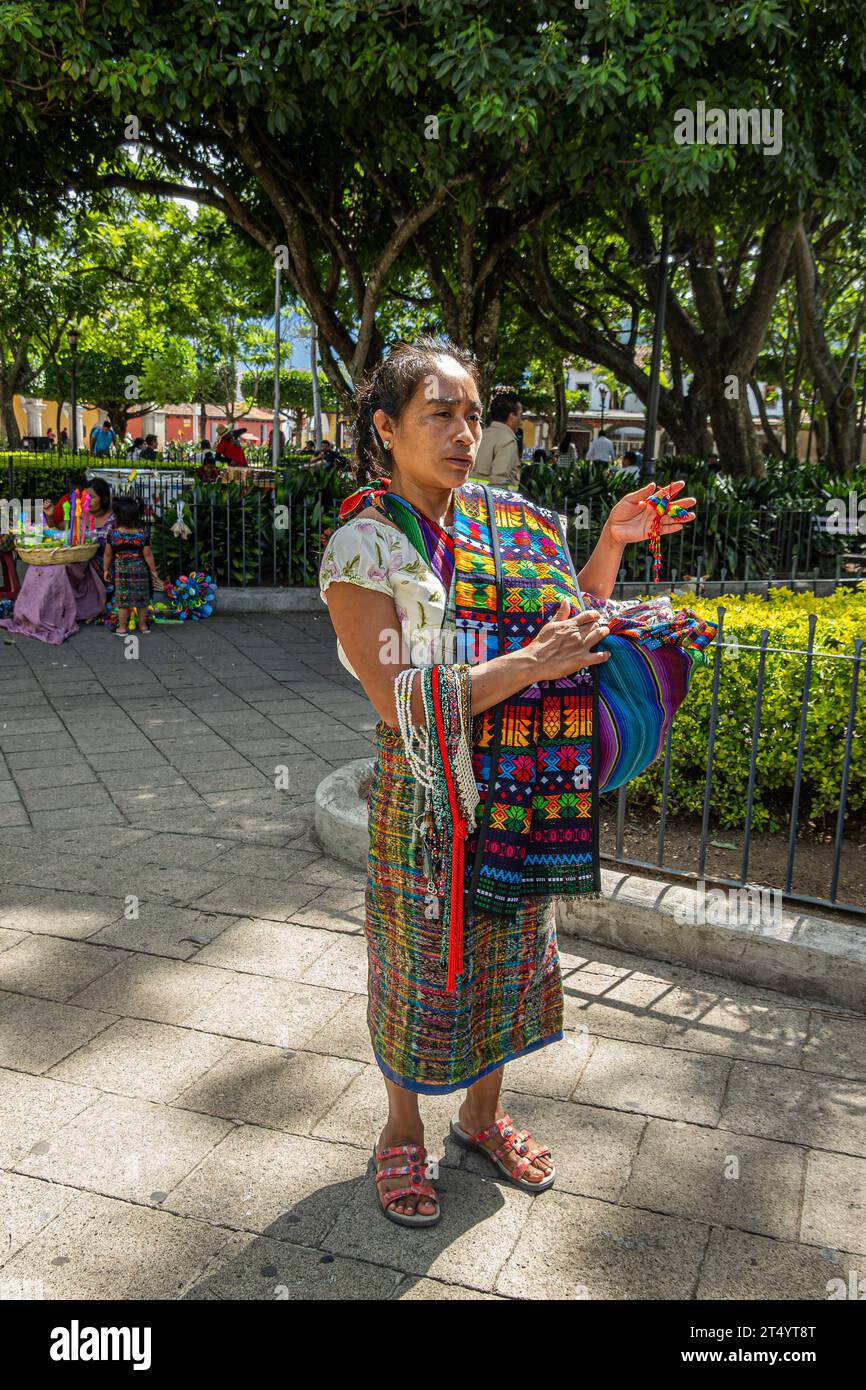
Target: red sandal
x,y
513,1139
415,1169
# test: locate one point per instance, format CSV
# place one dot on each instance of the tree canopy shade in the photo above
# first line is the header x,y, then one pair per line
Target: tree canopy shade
x,y
375,140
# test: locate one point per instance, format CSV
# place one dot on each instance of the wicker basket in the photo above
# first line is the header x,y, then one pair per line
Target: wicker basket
x,y
56,554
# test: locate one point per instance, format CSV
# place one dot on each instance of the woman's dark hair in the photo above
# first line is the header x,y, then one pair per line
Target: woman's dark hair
x,y
390,386
127,510
102,490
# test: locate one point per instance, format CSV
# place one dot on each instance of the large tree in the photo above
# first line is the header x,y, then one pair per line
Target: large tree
x,y
371,138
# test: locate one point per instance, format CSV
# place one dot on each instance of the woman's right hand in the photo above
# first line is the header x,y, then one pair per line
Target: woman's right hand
x,y
565,645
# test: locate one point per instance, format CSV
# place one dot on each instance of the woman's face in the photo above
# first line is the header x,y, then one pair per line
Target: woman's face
x,y
96,503
436,438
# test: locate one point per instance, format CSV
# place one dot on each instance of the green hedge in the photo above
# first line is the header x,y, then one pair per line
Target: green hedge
x,y
841,618
44,475
237,538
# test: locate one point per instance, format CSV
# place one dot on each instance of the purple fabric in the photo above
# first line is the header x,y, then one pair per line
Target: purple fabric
x,y
100,534
54,599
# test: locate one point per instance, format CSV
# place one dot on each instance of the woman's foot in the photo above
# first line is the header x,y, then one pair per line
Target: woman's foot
x,y
408,1205
471,1122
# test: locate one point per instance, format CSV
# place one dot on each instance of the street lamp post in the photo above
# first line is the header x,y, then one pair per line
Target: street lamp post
x,y
276,438
811,422
314,370
602,391
652,407
73,336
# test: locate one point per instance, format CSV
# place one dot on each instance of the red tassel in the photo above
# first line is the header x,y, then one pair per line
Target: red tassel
x,y
350,504
455,933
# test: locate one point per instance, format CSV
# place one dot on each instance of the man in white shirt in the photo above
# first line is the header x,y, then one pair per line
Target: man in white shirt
x,y
497,461
601,449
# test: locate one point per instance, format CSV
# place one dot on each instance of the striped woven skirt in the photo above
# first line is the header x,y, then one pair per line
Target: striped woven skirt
x,y
509,996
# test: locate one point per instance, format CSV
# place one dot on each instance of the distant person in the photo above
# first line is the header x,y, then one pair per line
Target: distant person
x,y
128,563
567,454
601,449
135,451
101,439
497,461
64,438
229,448
149,454
50,437
539,456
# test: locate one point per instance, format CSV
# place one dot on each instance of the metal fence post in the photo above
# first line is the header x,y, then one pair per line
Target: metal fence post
x,y
711,744
801,745
846,767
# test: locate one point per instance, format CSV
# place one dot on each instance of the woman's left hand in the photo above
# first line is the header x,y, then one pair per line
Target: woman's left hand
x,y
630,519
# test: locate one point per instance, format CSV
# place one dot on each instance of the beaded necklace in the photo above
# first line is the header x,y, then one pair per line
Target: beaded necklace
x,y
438,752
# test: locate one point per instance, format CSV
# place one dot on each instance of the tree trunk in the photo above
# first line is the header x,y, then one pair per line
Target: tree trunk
x,y
692,436
770,435
733,430
835,386
119,418
560,416
10,424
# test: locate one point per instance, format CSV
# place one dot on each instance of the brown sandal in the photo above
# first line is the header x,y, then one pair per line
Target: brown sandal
x,y
513,1139
414,1168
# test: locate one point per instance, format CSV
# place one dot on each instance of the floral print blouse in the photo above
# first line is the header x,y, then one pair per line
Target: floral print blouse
x,y
376,555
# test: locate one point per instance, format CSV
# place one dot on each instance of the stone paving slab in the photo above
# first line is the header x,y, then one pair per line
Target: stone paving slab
x,y
188,1096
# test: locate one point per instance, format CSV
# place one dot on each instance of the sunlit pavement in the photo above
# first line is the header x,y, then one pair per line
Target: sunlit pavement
x,y
188,1098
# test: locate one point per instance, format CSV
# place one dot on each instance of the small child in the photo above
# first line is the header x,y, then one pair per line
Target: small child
x,y
128,549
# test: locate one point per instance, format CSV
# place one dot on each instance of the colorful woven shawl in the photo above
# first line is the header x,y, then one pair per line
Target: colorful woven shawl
x,y
535,753
653,654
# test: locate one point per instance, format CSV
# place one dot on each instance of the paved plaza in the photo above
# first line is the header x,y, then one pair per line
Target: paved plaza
x,y
188,1097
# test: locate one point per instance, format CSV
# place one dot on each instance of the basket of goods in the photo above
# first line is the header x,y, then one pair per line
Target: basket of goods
x,y
68,544
55,554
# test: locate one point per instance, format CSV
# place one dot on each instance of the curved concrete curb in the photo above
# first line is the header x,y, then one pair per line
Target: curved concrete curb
x,y
743,935
341,813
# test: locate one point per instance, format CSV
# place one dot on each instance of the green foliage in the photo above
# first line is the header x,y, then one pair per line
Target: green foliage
x,y
240,536
784,615
296,390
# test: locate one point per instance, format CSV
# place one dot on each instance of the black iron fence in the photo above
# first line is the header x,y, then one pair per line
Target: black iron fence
x,y
827,862
274,534
733,541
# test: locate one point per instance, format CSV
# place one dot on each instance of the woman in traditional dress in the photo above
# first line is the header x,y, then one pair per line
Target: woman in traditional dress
x,y
407,568
104,521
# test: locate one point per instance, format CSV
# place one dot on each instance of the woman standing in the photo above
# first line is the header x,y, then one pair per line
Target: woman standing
x,y
100,513
103,521
446,1012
